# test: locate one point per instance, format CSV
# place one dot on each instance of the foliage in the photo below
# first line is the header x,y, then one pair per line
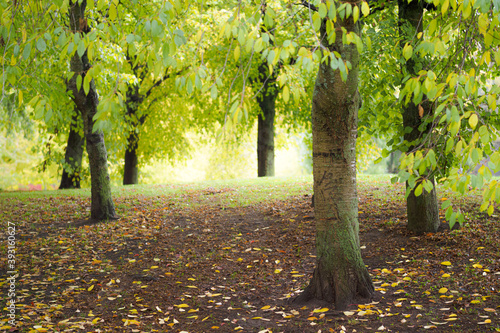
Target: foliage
x,y
457,61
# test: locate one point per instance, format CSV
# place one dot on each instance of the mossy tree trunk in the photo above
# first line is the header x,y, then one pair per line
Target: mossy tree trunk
x,y
340,275
422,211
265,131
102,207
73,157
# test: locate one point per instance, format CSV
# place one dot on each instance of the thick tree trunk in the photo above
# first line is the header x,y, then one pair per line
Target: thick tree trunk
x,y
265,135
340,275
73,157
422,211
102,207
131,167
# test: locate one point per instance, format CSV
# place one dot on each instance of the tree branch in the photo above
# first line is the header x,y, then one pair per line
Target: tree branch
x,y
160,81
308,5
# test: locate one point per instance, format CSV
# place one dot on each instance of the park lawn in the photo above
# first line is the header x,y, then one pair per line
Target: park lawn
x,y
229,255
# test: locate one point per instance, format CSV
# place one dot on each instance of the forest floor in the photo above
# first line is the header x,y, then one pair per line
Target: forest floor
x,y
229,257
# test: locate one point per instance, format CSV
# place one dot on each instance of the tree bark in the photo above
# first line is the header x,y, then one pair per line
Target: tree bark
x,y
265,131
422,211
102,207
340,275
73,157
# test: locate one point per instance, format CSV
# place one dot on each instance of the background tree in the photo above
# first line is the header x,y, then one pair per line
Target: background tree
x,y
422,211
71,174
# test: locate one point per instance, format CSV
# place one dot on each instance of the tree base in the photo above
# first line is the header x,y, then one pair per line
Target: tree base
x,y
327,288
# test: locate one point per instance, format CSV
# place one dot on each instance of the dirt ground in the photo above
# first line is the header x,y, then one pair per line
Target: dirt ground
x,y
164,268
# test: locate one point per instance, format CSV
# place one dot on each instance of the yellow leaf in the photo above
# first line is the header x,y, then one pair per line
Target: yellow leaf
x,y
265,307
95,262
443,290
446,275
95,320
90,288
446,263
237,52
182,306
320,310
365,9
154,267
473,120
277,271
477,266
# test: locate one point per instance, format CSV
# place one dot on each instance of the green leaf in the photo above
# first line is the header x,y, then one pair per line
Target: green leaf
x,y
418,190
81,48
286,94
112,12
355,13
407,51
156,30
130,38
316,21
322,10
86,84
27,51
258,46
78,82
41,45
213,92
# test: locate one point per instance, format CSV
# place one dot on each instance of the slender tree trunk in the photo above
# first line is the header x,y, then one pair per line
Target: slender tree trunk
x,y
340,275
265,135
422,211
102,207
73,157
131,168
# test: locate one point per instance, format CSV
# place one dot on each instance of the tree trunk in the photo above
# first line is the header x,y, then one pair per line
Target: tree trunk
x,y
265,135
102,207
73,157
131,168
340,275
422,211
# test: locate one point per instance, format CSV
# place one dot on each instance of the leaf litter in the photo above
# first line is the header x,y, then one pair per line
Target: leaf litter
x,y
190,263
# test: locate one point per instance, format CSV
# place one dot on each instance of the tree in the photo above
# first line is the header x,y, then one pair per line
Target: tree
x,y
266,98
73,157
87,100
422,211
340,274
